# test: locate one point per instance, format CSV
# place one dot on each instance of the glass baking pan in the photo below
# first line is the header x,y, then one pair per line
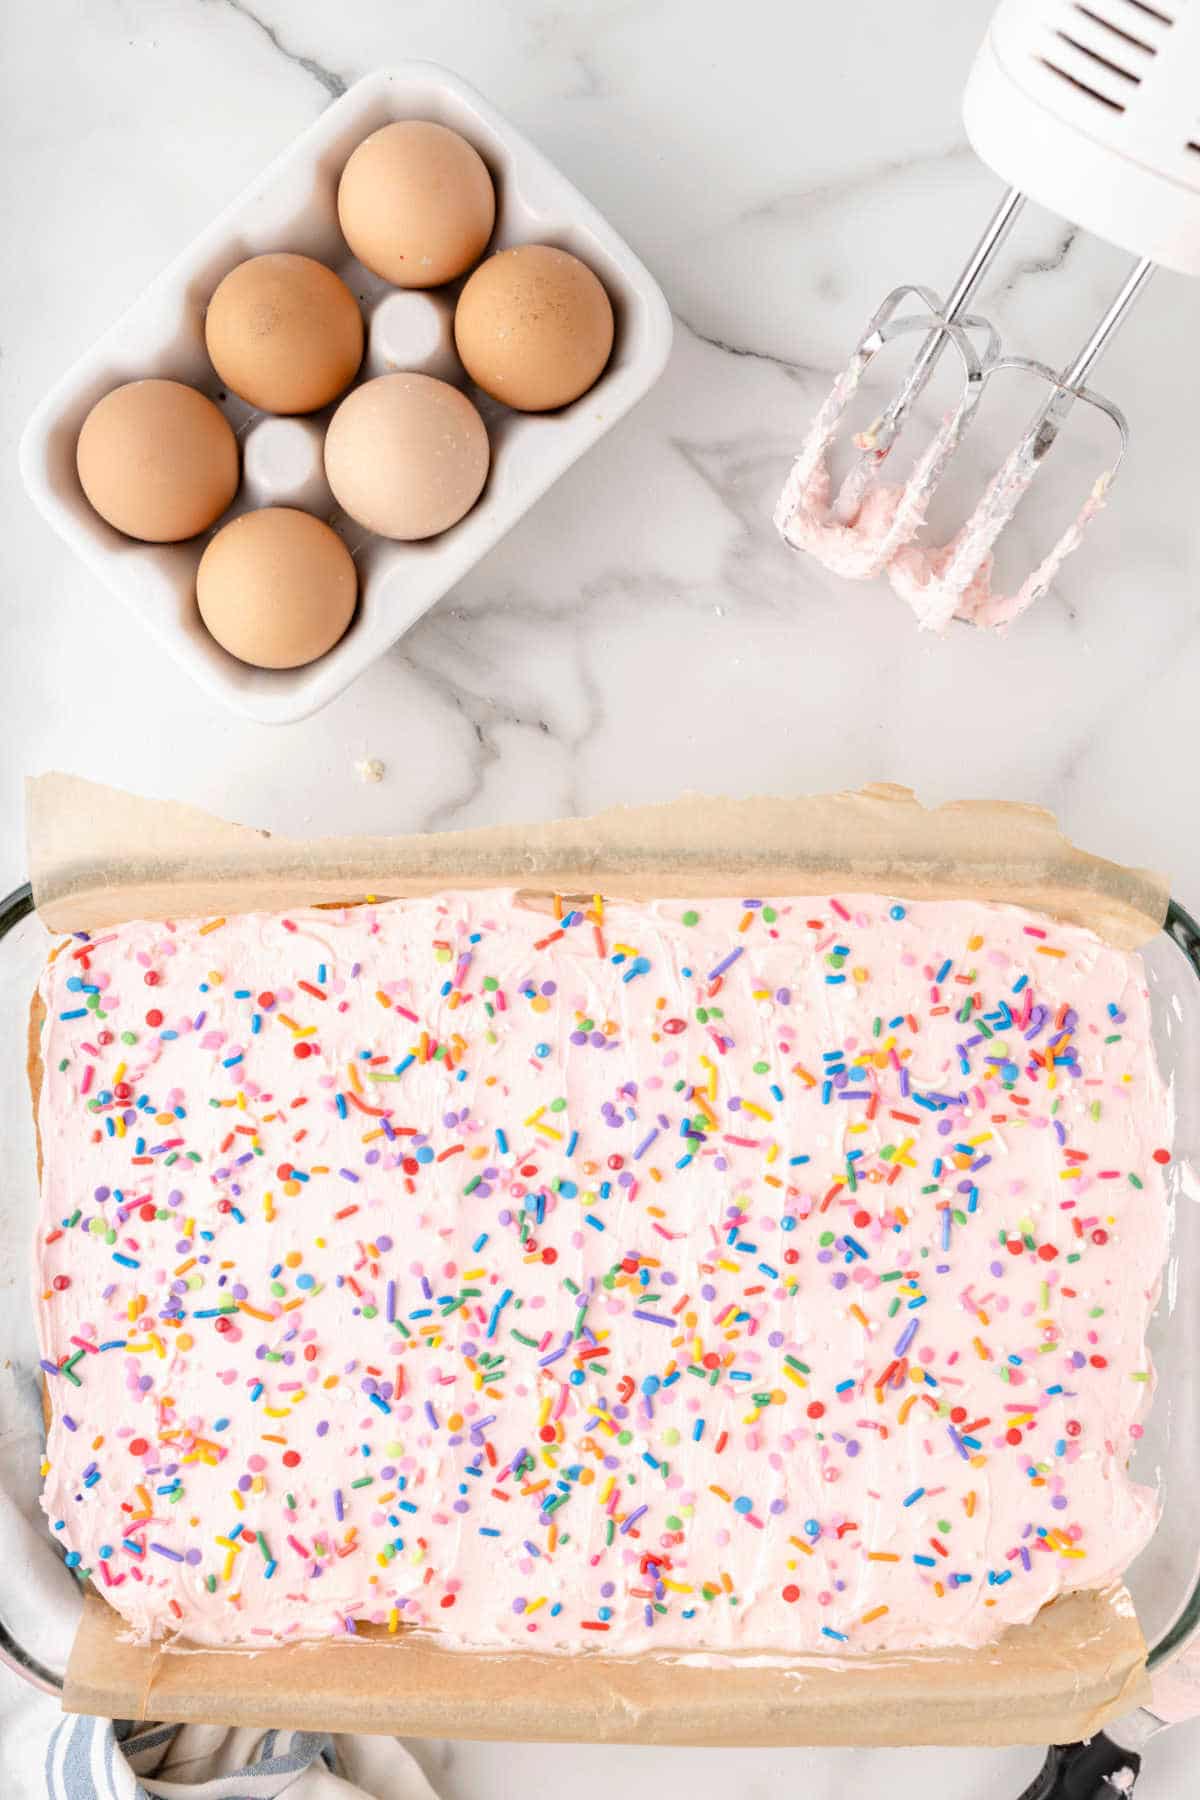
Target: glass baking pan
x,y
1165,1579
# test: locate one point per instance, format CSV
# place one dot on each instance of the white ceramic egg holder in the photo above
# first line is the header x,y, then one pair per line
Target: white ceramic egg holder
x,y
293,206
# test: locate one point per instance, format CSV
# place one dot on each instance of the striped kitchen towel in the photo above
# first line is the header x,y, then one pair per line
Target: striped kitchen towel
x,y
95,1759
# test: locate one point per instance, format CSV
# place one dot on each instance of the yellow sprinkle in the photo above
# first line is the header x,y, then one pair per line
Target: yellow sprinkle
x,y
213,925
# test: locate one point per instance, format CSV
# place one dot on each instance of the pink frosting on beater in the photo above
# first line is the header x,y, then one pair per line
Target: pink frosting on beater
x,y
932,579
717,1275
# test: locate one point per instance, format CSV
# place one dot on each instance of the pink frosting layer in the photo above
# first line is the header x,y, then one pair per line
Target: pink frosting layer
x,y
766,1276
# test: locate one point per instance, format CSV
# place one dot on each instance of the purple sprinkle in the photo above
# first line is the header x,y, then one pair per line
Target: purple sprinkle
x,y
906,1336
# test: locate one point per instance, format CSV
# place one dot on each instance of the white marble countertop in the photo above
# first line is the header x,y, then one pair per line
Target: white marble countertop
x,y
643,630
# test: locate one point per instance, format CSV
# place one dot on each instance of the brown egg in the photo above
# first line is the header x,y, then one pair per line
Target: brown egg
x,y
157,460
534,327
416,204
406,455
276,588
285,333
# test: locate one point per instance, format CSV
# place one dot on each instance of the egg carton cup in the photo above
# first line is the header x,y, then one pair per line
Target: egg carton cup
x,y
293,206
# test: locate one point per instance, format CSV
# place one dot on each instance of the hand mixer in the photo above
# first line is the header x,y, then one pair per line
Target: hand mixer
x,y
1091,108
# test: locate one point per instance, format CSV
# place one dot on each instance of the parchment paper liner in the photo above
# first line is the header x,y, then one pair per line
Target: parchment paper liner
x,y
98,857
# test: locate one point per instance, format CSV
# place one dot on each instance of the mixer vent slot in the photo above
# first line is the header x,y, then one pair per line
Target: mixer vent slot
x,y
1094,56
1151,12
1082,86
1117,31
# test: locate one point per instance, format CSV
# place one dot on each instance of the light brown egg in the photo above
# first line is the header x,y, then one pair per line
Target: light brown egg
x,y
157,460
416,204
276,588
406,455
285,333
534,327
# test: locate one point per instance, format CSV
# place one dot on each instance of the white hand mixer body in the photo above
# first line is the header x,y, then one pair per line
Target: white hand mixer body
x,y
1090,108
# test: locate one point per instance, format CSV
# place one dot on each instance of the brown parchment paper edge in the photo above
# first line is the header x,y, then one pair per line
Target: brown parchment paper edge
x,y
1056,1680
99,856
